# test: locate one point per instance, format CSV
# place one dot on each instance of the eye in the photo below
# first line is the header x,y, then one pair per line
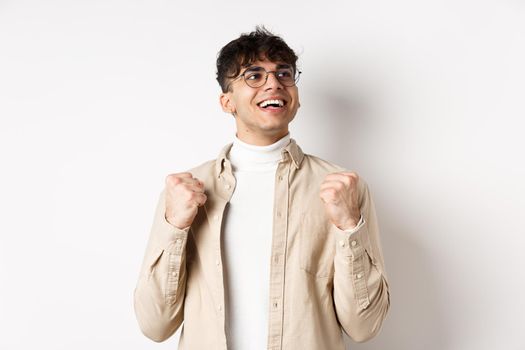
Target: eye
x,y
284,73
253,76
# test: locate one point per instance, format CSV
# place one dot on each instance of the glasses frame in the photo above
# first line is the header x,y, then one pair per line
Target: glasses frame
x,y
296,78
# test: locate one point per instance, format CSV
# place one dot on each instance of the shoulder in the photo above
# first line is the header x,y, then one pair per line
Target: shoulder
x,y
322,167
204,169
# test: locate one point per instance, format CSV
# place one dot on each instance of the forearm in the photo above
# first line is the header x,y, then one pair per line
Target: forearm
x,y
361,293
159,294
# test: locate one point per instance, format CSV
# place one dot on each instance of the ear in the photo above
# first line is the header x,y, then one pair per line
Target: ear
x,y
226,103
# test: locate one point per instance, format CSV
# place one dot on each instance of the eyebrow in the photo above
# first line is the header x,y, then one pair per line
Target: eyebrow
x,y
283,65
257,68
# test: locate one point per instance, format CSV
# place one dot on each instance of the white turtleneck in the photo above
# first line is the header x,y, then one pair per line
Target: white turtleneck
x,y
247,239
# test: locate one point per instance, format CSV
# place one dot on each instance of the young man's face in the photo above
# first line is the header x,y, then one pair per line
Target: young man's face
x,y
259,124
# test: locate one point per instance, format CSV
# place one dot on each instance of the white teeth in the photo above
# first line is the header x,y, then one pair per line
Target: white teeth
x,y
265,103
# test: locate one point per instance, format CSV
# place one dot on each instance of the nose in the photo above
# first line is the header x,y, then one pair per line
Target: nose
x,y
272,82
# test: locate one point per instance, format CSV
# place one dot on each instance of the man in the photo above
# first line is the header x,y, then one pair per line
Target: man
x,y
263,247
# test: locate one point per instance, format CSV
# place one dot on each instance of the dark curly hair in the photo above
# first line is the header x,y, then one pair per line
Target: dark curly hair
x,y
249,48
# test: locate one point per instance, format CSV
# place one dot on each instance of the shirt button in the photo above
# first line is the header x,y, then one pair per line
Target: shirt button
x,y
228,186
220,307
342,243
278,214
359,275
280,178
216,217
174,274
354,243
217,262
275,305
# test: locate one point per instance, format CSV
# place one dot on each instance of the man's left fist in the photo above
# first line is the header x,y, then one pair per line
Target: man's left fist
x,y
340,197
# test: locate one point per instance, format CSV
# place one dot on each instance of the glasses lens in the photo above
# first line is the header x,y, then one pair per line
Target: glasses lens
x,y
255,77
285,76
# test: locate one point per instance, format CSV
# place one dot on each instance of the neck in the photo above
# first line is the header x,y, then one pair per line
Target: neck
x,y
260,140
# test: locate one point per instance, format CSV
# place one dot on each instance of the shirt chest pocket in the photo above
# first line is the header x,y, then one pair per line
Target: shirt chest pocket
x,y
316,246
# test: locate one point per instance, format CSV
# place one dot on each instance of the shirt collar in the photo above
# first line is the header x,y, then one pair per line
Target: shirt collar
x,y
292,149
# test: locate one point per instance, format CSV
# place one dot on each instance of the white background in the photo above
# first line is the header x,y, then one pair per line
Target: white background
x,y
99,100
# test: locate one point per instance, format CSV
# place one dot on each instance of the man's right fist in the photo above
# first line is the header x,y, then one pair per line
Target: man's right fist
x,y
184,195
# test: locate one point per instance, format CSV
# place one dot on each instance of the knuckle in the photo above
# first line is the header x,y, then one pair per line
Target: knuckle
x,y
338,186
353,175
331,193
172,180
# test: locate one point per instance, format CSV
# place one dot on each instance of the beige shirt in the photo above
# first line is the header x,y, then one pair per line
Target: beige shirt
x,y
322,279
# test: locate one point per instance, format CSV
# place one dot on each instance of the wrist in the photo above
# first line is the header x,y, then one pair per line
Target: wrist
x,y
173,222
351,223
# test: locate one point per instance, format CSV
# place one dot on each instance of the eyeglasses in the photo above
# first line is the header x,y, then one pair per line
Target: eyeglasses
x,y
257,76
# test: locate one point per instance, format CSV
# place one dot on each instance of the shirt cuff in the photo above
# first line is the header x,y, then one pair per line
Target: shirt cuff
x,y
350,242
172,238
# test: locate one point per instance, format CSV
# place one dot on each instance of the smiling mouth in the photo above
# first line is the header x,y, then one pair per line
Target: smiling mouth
x,y
272,104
